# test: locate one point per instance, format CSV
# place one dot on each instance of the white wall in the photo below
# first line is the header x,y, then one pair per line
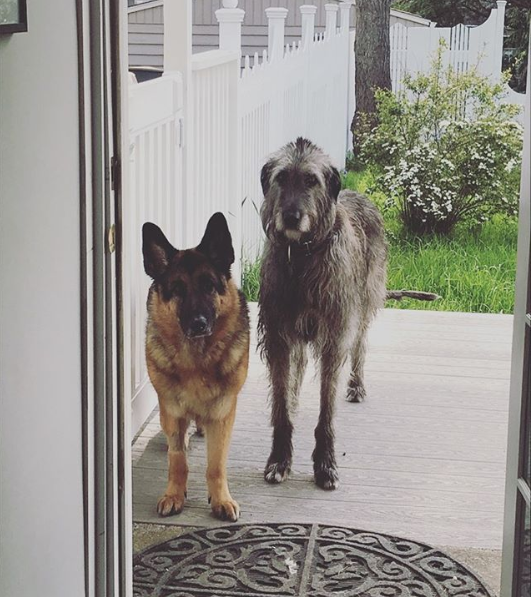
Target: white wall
x,y
41,500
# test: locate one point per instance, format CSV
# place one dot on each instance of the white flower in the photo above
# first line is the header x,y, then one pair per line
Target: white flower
x,y
510,165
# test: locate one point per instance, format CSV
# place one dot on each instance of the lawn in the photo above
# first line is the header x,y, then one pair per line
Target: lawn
x,y
473,271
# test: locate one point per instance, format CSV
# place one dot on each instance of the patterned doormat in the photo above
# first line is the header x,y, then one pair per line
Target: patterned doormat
x,y
298,560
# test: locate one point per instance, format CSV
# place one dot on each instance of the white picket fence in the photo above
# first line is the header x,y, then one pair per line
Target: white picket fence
x,y
481,47
213,144
155,194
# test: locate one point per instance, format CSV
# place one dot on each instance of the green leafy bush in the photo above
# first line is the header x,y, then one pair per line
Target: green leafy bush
x,y
445,149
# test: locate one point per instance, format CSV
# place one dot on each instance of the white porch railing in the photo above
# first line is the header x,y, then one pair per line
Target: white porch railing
x,y
155,194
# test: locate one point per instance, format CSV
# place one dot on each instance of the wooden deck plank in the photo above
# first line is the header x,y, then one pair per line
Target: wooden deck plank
x,y
423,457
252,489
432,525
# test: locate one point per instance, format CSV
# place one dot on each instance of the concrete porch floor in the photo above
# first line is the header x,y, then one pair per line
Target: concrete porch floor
x,y
422,458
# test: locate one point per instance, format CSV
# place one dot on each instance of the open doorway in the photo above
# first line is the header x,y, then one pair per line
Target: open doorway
x,y
424,459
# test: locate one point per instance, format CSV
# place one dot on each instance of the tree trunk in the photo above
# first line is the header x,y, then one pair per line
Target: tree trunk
x,y
373,59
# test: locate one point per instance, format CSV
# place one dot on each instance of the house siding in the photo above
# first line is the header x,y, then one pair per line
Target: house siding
x,y
146,37
146,27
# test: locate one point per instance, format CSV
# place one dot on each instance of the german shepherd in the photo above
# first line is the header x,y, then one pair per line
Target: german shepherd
x,y
197,352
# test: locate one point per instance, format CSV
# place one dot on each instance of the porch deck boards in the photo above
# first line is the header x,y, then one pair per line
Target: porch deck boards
x,y
423,457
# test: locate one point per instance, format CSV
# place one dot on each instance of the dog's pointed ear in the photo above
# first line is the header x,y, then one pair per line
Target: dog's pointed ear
x,y
217,244
265,176
156,249
333,182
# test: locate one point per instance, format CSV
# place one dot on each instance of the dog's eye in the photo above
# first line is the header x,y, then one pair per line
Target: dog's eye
x,y
281,177
207,286
310,180
179,289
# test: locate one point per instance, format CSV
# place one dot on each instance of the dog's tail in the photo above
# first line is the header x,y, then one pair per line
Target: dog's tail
x,y
398,295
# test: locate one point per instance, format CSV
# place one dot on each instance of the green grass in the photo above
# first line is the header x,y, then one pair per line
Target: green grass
x,y
473,271
251,280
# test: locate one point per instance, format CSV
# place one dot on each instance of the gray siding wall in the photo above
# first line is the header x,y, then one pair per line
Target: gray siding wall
x,y
146,35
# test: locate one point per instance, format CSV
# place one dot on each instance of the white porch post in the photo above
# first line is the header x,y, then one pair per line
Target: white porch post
x,y
230,19
344,8
498,48
276,18
331,19
308,12
178,58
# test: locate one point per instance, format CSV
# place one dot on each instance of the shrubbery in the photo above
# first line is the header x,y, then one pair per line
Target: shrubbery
x,y
445,149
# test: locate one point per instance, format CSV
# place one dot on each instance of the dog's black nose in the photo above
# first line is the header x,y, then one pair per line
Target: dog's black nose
x,y
291,218
199,325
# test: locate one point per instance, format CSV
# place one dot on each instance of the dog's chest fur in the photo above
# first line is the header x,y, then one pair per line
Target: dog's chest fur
x,y
199,377
312,301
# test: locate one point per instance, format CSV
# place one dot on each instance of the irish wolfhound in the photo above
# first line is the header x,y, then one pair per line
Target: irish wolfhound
x,y
323,279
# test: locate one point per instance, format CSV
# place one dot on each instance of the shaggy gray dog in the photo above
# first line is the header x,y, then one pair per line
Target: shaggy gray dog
x,y
323,279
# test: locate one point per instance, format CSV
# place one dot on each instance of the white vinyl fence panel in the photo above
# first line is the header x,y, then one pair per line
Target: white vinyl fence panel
x,y
154,194
481,47
214,144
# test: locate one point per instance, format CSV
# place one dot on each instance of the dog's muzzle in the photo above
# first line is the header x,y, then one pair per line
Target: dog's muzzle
x,y
292,218
199,327
292,223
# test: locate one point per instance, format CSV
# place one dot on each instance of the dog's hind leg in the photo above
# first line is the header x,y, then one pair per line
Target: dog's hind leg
x,y
176,431
279,463
356,388
324,460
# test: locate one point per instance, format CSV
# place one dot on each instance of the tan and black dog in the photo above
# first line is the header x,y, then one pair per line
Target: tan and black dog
x,y
197,352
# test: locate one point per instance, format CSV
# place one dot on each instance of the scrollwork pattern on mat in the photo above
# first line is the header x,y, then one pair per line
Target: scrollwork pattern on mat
x,y
285,560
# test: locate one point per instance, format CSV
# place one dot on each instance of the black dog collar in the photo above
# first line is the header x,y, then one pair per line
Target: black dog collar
x,y
307,248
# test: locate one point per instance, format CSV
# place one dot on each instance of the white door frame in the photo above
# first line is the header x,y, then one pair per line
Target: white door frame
x,y
515,493
102,34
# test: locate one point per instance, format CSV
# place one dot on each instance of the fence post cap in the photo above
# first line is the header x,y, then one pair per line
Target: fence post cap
x,y
308,9
501,3
331,7
346,4
276,12
230,3
230,15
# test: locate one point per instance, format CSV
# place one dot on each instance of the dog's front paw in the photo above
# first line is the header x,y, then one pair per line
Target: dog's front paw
x,y
276,472
170,504
225,509
355,393
326,476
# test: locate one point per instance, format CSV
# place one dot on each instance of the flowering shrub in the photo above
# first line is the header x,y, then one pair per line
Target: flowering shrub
x,y
445,149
